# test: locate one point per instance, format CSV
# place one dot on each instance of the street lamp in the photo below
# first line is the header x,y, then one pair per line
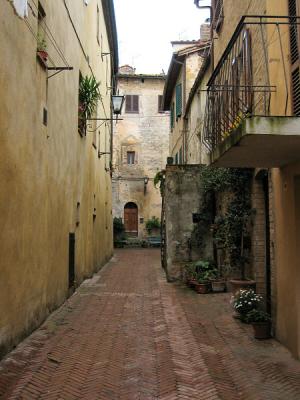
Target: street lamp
x,y
146,180
117,103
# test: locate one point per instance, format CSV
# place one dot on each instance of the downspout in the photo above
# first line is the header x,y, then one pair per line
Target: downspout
x,y
196,2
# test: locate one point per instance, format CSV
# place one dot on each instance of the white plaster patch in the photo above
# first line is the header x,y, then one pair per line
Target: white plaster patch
x,y
20,7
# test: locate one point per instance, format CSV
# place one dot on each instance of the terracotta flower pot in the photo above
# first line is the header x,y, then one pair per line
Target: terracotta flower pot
x,y
203,288
261,330
192,283
218,286
43,54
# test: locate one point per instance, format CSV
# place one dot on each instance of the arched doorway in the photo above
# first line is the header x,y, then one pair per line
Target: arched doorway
x,y
131,219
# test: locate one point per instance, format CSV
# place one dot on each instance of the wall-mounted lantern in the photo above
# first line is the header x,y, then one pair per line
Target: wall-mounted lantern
x,y
117,103
146,180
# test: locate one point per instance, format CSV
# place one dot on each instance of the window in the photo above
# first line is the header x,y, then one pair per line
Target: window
x,y
160,104
178,100
130,157
132,104
172,116
98,25
176,158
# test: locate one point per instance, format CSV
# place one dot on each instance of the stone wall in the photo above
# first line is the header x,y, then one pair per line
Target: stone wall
x,y
183,197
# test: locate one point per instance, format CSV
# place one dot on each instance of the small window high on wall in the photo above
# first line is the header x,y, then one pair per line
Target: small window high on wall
x,y
132,103
130,157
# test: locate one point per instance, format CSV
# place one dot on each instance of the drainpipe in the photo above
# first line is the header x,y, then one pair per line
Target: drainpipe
x,y
196,2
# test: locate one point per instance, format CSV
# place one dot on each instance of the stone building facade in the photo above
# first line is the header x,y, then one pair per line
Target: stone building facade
x,y
55,189
140,150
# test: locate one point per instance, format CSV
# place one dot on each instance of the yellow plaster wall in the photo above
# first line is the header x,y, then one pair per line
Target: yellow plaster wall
x,y
286,194
46,171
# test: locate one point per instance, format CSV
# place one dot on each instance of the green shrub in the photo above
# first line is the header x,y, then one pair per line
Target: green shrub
x,y
152,223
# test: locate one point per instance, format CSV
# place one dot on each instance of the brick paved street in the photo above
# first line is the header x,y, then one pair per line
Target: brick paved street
x,y
128,334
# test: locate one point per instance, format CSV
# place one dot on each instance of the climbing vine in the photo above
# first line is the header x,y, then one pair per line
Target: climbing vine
x,y
231,226
159,179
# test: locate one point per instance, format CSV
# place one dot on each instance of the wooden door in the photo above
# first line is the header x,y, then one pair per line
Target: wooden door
x,y
131,218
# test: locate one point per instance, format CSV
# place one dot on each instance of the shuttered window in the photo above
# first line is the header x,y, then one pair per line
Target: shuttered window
x,y
132,104
160,104
294,48
178,100
172,116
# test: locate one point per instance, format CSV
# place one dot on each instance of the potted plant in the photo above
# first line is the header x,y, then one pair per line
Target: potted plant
x,y
218,283
152,224
261,322
89,95
203,284
190,274
42,48
245,301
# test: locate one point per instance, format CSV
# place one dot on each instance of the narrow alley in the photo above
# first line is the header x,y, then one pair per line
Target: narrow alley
x,y
128,334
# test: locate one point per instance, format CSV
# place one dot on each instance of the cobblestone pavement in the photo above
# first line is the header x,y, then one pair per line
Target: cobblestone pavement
x,y
128,334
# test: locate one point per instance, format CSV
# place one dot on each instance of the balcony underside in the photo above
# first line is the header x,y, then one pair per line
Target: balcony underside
x,y
260,142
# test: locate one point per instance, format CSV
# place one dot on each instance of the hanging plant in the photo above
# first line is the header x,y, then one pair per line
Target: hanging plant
x,y
89,95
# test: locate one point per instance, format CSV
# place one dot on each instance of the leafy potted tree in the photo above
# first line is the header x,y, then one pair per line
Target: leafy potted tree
x,y
261,322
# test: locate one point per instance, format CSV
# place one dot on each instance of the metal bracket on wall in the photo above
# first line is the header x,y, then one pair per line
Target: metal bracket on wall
x,y
58,70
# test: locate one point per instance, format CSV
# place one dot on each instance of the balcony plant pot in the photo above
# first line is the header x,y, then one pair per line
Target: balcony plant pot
x,y
262,330
203,288
238,284
43,55
218,286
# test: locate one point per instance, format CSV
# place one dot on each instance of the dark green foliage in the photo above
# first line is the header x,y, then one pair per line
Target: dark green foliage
x,y
231,228
119,229
89,95
257,316
152,223
160,179
202,271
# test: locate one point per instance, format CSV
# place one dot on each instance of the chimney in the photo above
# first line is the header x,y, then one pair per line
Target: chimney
x,y
205,32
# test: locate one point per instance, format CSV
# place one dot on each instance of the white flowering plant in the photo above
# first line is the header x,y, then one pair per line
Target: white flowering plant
x,y
246,300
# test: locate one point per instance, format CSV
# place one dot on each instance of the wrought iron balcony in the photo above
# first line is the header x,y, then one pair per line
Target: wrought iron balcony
x,y
246,80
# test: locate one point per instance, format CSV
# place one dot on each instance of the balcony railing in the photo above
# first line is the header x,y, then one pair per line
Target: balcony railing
x,y
243,84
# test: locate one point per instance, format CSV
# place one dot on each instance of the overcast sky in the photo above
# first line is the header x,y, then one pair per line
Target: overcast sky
x,y
146,28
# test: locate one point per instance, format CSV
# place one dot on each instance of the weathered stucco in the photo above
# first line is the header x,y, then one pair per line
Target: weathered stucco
x,y
183,197
145,133
51,179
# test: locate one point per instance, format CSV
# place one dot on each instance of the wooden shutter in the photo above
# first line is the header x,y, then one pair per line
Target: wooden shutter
x,y
135,104
172,116
132,104
160,105
295,63
178,100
